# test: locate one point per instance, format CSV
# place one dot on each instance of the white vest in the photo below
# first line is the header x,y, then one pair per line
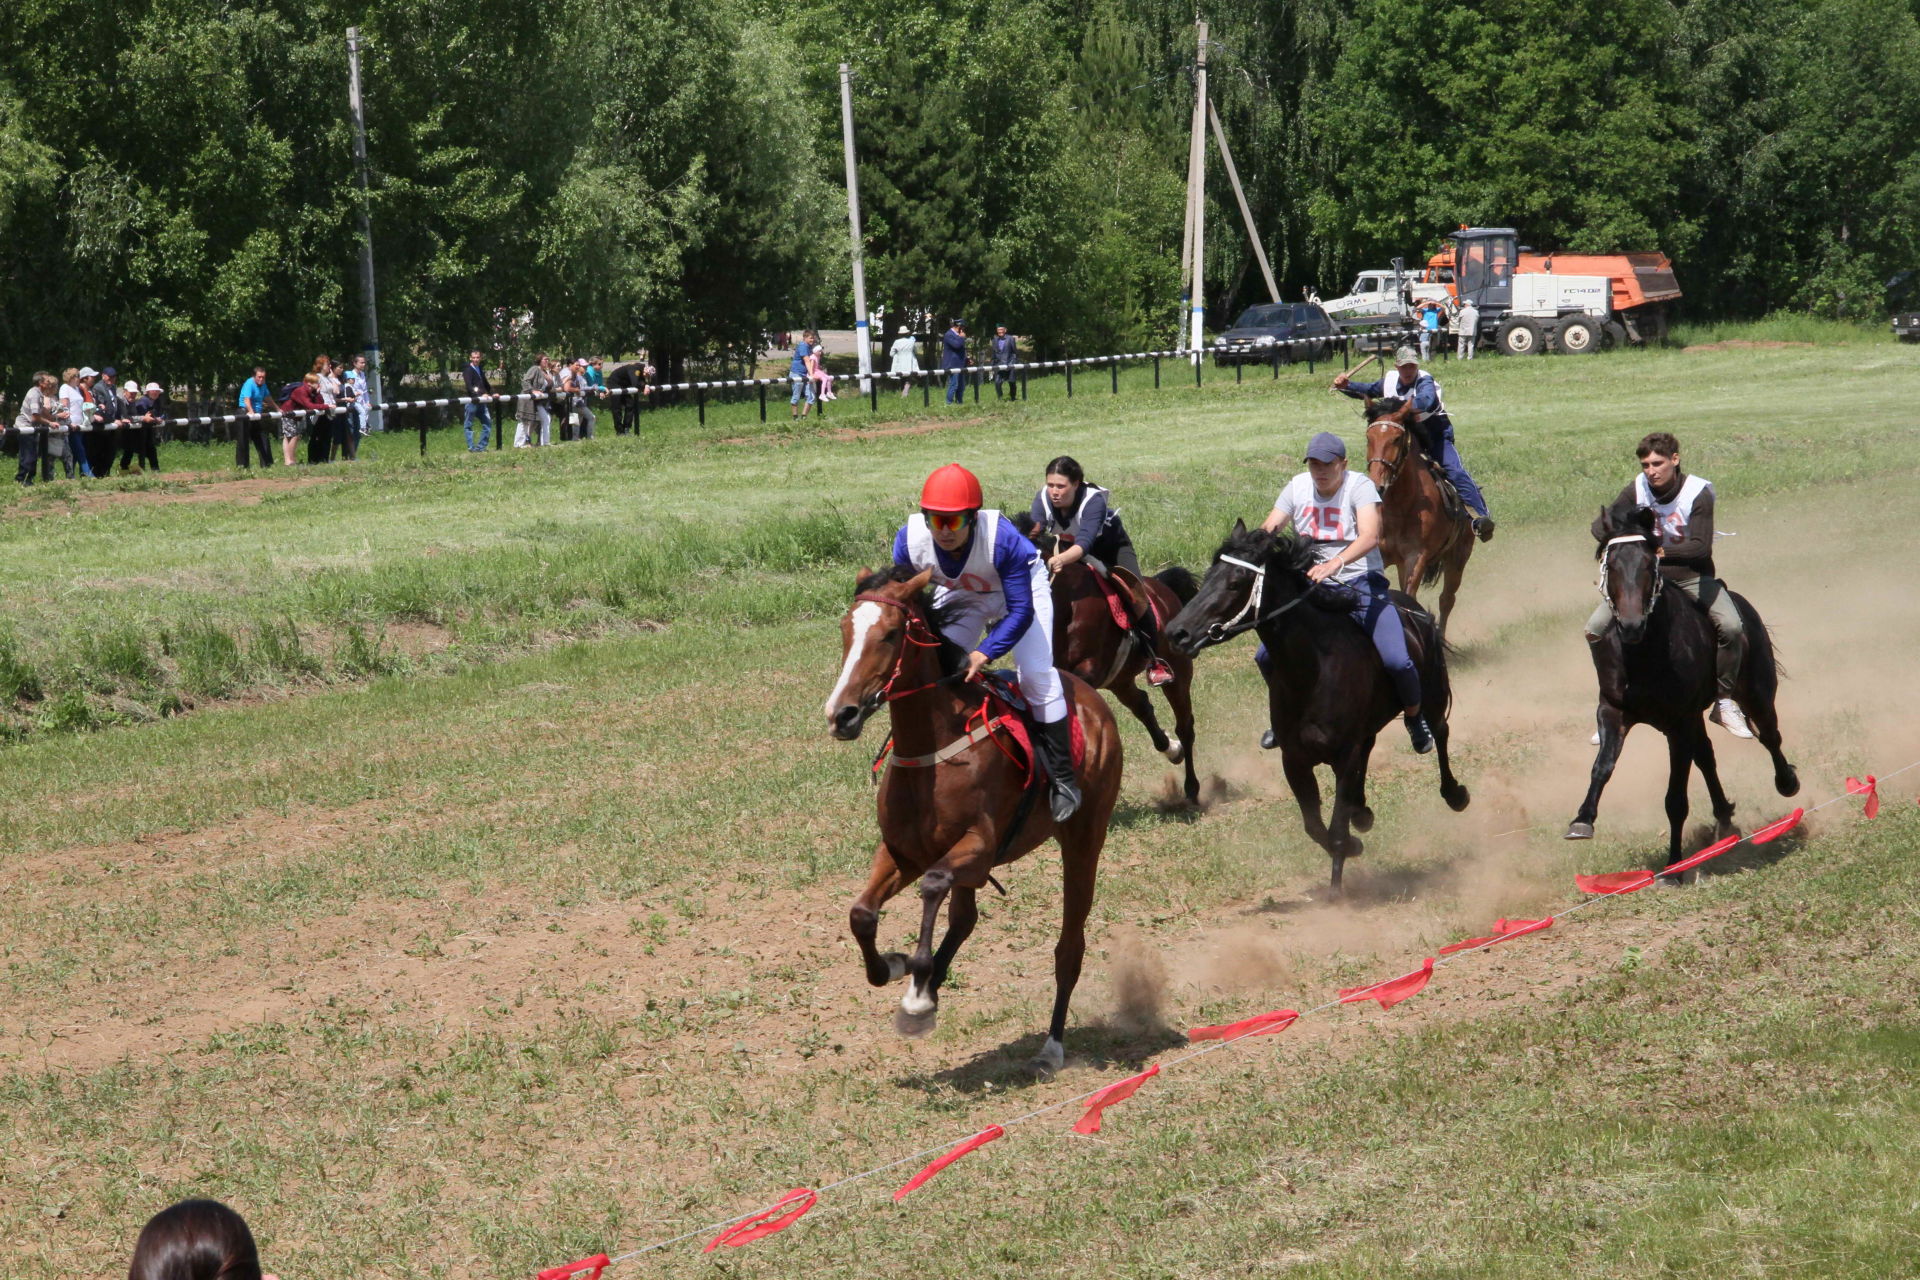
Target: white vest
x,y
1390,387
1071,524
977,577
1670,518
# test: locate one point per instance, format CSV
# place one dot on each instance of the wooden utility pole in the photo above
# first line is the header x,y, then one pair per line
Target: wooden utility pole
x,y
371,313
1197,196
862,338
1246,214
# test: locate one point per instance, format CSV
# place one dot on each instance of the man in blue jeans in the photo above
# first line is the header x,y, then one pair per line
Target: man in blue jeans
x,y
251,427
797,374
953,360
477,385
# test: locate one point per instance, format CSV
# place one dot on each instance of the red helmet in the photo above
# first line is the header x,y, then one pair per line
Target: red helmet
x,y
951,488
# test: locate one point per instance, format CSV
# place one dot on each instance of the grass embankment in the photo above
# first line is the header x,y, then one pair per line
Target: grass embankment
x,y
470,972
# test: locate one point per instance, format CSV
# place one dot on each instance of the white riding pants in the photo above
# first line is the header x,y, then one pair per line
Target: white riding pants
x,y
1032,654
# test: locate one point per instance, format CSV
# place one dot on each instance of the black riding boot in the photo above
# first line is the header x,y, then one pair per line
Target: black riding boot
x,y
1055,745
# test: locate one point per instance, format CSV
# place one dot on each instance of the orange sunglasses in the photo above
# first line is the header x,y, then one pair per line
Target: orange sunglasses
x,y
947,521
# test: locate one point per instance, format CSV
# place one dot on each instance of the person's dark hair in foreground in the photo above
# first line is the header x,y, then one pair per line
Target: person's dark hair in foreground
x,y
196,1240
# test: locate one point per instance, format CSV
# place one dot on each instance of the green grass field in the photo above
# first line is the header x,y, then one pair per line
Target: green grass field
x,y
443,861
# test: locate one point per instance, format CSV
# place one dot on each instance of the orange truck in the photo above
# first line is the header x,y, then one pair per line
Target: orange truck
x,y
1638,286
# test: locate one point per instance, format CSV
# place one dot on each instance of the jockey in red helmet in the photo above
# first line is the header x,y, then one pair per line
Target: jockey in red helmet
x,y
989,580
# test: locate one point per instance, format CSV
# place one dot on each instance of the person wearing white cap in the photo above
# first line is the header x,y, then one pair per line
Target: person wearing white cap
x,y
1431,425
1338,511
143,428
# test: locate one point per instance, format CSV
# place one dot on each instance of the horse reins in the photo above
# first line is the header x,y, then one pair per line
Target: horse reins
x,y
1234,626
914,620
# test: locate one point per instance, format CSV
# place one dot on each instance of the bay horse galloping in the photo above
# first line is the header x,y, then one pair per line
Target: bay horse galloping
x,y
1089,641
1328,693
1421,531
954,802
1656,666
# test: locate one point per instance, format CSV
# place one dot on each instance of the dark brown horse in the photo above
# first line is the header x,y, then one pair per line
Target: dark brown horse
x,y
1421,533
952,806
1088,641
1656,666
1328,694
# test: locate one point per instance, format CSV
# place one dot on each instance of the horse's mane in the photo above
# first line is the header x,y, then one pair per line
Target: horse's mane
x,y
1624,517
1382,407
952,656
1257,546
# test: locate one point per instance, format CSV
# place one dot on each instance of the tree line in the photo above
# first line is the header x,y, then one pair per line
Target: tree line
x,y
177,194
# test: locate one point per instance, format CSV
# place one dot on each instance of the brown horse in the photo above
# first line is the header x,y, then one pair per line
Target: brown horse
x,y
954,803
1420,531
1088,641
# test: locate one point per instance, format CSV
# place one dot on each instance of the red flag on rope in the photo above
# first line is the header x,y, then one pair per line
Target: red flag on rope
x,y
1870,789
1392,991
1713,850
1502,930
1117,1092
781,1216
977,1141
1260,1024
596,1264
1614,882
1774,830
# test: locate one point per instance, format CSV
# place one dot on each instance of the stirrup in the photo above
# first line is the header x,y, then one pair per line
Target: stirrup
x,y
1159,673
1727,714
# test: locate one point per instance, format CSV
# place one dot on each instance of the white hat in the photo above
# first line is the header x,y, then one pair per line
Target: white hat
x,y
154,386
88,371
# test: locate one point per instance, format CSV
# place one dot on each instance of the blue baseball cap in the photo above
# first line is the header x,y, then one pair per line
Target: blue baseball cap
x,y
1327,447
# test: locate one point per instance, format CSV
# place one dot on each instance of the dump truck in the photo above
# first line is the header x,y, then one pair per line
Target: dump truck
x,y
1573,302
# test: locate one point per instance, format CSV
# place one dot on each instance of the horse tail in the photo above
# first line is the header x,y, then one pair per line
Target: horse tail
x,y
1178,580
1763,662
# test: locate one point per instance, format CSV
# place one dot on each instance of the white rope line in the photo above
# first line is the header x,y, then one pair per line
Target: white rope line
x,y
1356,995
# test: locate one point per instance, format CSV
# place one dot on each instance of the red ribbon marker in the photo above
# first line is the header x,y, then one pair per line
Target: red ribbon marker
x,y
795,1203
597,1263
977,1141
1260,1024
1392,991
1713,850
1117,1092
1870,789
1502,930
1614,882
1774,830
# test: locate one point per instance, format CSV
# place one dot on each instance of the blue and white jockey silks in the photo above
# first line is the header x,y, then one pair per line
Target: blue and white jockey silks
x,y
996,581
1670,518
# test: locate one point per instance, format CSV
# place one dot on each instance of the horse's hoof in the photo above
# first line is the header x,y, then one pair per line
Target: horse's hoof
x,y
1361,819
1456,796
1046,1064
915,1025
1351,847
1579,831
1787,783
1176,752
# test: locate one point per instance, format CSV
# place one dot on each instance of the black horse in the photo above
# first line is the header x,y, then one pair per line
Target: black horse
x,y
1656,667
1328,694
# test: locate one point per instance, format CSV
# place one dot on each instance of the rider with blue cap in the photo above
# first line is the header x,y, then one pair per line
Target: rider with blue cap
x,y
1338,511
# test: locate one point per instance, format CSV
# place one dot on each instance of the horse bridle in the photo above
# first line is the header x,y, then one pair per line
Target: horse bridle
x,y
931,641
1393,468
1606,555
1235,625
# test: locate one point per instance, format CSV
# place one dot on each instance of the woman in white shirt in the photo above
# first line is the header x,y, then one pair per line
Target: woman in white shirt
x,y
906,362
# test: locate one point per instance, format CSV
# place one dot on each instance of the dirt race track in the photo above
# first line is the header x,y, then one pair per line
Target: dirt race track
x,y
720,1003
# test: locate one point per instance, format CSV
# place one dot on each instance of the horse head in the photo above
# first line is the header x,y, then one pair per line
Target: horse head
x,y
887,619
1389,445
1629,555
1252,569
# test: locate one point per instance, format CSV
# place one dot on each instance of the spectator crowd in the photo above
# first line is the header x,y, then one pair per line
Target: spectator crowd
x,y
82,420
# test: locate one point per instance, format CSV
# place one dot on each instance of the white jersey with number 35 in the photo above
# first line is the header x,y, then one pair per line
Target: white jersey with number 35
x,y
1332,524
1670,519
